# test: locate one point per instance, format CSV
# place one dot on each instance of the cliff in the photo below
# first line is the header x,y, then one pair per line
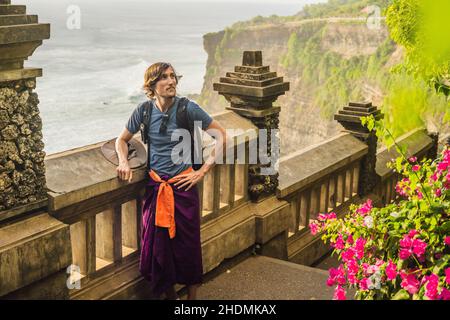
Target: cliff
x,y
328,62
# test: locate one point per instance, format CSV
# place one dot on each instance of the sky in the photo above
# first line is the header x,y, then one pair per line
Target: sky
x,y
149,1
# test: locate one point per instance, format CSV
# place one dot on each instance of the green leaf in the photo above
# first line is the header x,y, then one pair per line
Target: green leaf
x,y
401,295
445,227
398,164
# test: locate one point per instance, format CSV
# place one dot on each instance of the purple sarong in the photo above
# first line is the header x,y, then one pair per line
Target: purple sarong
x,y
164,261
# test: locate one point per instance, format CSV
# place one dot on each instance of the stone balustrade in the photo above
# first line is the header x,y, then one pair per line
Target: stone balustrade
x,y
89,219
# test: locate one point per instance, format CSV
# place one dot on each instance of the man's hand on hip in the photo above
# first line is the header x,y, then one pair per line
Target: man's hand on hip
x,y
189,179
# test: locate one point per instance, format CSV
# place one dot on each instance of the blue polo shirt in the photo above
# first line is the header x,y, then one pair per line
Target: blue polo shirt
x,y
161,145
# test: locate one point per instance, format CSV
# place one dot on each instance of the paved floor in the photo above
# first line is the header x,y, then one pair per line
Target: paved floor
x,y
263,278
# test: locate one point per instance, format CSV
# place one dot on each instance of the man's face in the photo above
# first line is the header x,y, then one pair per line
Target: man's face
x,y
166,86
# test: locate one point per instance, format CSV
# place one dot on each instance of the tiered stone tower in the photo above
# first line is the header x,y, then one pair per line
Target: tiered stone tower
x,y
350,118
252,89
22,172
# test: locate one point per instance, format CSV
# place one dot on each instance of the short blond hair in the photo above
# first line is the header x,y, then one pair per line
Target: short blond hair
x,y
153,74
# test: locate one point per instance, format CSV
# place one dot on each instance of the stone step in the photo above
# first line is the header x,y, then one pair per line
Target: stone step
x,y
252,83
5,1
18,19
264,278
6,9
24,33
257,77
359,113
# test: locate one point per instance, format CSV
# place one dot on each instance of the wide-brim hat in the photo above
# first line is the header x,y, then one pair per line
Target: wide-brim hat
x,y
137,155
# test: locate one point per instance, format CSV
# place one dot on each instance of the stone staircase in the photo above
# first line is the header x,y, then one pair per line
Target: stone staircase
x,y
264,278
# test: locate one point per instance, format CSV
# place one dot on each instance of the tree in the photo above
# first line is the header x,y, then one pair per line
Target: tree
x,y
422,28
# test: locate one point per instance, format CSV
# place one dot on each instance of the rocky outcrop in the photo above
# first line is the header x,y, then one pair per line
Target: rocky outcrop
x,y
22,172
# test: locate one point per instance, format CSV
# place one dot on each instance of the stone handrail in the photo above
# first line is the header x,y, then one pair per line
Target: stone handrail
x,y
320,178
327,177
416,143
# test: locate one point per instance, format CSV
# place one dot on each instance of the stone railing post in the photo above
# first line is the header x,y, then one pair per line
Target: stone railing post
x,y
251,90
35,249
350,118
22,172
433,152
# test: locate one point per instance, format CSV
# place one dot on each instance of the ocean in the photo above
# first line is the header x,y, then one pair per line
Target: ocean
x,y
92,75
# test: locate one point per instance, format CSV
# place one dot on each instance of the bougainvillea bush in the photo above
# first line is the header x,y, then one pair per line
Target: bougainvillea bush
x,y
400,251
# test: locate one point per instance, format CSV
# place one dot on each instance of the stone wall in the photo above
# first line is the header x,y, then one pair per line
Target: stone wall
x,y
22,171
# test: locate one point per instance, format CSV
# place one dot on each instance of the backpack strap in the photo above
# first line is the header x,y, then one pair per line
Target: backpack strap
x,y
183,121
144,127
146,116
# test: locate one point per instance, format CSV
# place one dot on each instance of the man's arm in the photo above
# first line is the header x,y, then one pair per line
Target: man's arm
x,y
123,170
190,179
221,143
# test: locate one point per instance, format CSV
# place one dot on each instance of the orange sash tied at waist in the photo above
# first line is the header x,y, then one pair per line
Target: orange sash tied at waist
x,y
165,202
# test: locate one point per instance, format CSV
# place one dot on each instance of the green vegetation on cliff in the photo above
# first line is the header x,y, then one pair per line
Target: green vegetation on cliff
x,y
340,8
335,79
332,8
325,76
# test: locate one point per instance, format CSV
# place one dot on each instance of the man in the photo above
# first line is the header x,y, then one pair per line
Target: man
x,y
170,237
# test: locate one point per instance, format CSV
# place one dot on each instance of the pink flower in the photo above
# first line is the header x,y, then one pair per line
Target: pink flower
x,y
412,233
365,208
419,247
408,246
445,294
447,240
406,242
352,267
404,253
364,284
324,216
403,187
372,269
365,267
348,255
431,288
331,279
339,244
359,247
339,293
419,194
391,270
447,275
314,227
409,282
413,159
379,262
331,216
415,168
442,166
434,177
337,276
438,193
350,239
352,279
